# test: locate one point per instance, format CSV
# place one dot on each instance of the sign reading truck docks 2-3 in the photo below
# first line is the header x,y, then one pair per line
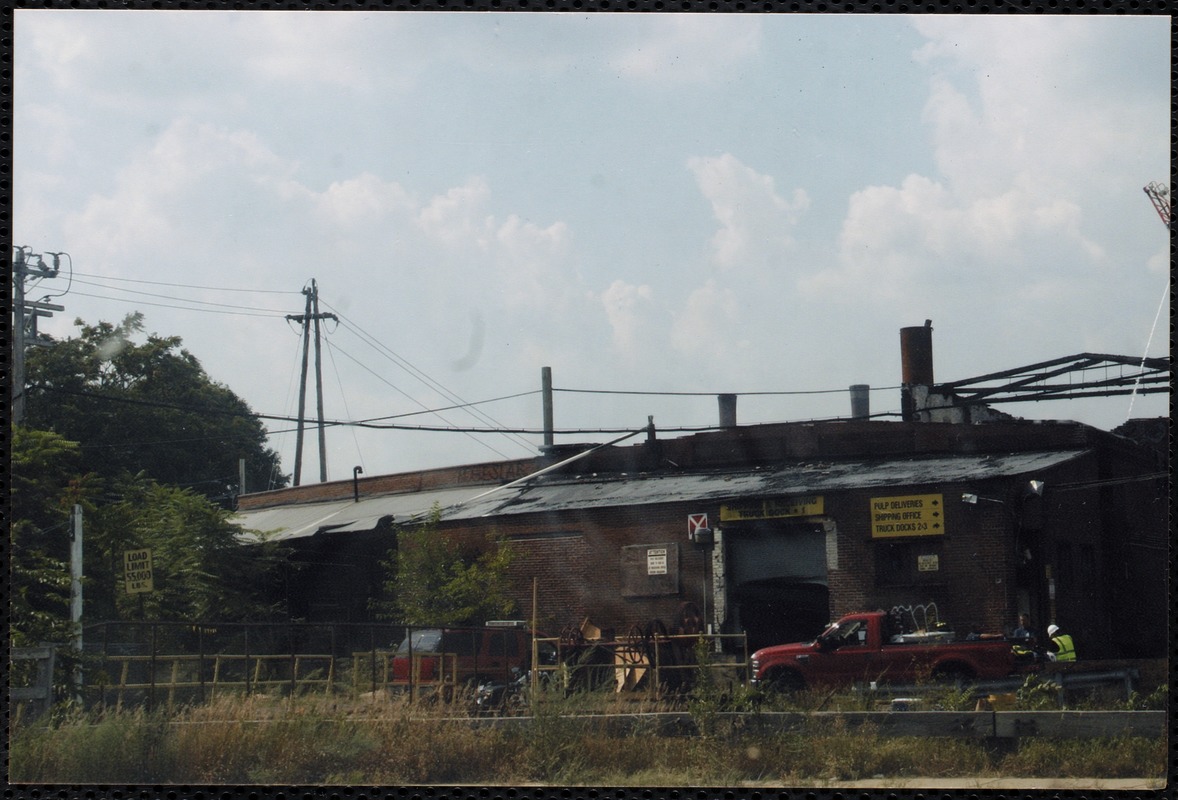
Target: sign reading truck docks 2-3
x,y
907,515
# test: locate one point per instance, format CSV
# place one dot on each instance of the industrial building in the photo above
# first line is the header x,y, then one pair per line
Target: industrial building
x,y
772,530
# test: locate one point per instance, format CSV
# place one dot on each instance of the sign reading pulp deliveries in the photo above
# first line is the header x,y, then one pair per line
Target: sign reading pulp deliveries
x,y
909,515
137,571
802,506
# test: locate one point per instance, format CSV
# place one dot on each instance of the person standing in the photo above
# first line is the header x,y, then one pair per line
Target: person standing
x,y
1065,648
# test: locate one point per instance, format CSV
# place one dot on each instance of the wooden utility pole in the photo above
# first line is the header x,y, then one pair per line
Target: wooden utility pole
x,y
309,316
26,263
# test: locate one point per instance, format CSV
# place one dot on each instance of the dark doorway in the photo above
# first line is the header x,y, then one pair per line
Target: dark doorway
x,y
777,574
781,610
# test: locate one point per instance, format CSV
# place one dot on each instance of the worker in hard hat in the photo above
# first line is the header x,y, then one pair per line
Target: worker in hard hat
x,y
1065,648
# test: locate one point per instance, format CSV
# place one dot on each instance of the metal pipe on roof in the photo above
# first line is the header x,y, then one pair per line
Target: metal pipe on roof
x,y
860,401
546,390
727,410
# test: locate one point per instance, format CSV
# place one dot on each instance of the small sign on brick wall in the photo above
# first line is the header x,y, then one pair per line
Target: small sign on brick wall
x,y
650,569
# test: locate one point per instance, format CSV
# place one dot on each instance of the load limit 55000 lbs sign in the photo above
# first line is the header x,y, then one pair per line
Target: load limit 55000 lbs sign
x,y
137,571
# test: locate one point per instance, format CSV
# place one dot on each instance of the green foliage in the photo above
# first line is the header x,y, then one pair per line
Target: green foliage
x,y
1037,694
201,571
45,487
146,407
434,581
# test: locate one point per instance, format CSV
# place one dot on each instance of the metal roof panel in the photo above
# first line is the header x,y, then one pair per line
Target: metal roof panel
x,y
569,493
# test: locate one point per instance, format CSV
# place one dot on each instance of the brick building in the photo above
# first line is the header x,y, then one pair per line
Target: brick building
x,y
775,529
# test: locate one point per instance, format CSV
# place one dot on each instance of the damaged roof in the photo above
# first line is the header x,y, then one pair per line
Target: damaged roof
x,y
555,494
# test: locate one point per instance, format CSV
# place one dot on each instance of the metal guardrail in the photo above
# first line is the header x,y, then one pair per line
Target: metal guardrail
x,y
1000,726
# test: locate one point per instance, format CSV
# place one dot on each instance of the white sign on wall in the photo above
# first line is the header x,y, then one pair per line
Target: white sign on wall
x,y
656,561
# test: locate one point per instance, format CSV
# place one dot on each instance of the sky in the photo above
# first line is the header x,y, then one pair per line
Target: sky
x,y
659,207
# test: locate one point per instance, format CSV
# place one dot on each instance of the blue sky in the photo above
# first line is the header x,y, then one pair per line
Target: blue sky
x,y
654,203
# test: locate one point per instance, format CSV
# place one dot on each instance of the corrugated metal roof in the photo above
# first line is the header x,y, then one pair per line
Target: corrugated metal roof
x,y
558,494
788,479
296,521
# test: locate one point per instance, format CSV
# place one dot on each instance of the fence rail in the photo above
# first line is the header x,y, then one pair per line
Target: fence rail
x,y
981,725
152,662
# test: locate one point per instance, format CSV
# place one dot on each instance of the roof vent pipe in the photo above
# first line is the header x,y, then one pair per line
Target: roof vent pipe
x,y
727,410
916,360
546,391
860,401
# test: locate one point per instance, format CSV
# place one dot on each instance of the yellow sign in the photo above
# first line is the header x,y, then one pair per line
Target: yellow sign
x,y
802,506
909,515
137,571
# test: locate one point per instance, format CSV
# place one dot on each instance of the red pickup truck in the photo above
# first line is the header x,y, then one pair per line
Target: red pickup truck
x,y
862,648
457,656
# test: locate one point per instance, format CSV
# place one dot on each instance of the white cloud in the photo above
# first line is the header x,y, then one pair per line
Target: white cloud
x,y
706,331
690,48
756,223
528,262
363,201
628,308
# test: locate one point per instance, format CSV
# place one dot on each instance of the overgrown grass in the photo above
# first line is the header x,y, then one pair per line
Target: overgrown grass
x,y
385,740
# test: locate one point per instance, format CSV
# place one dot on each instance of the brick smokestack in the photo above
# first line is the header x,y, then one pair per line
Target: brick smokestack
x,y
916,360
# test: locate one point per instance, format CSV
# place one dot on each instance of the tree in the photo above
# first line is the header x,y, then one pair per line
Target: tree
x,y
147,408
201,569
433,580
45,486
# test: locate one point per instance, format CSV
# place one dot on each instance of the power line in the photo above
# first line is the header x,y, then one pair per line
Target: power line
x,y
172,297
184,285
430,382
255,313
713,394
373,425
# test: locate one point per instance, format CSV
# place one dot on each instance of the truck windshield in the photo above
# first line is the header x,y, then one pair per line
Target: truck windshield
x,y
423,641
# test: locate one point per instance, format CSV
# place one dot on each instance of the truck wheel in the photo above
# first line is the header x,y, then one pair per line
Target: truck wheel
x,y
785,681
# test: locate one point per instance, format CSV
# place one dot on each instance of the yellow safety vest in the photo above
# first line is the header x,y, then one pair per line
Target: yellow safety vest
x,y
1067,650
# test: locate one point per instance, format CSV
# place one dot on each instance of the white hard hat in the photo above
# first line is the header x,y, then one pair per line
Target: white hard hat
x,y
1052,630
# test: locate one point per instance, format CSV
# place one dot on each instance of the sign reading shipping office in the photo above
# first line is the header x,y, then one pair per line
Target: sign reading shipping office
x,y
907,515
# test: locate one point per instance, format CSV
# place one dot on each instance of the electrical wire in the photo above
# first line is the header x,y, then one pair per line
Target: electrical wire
x,y
179,299
714,394
344,398
420,375
186,285
257,313
413,399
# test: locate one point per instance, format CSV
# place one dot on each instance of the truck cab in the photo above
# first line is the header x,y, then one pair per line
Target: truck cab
x,y
863,648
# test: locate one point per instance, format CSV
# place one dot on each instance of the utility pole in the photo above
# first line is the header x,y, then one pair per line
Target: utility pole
x,y
309,316
26,263
76,592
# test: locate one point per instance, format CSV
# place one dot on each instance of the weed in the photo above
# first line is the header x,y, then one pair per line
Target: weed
x,y
1037,694
380,739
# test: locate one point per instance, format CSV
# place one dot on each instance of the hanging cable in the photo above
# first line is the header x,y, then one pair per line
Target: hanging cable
x,y
436,386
